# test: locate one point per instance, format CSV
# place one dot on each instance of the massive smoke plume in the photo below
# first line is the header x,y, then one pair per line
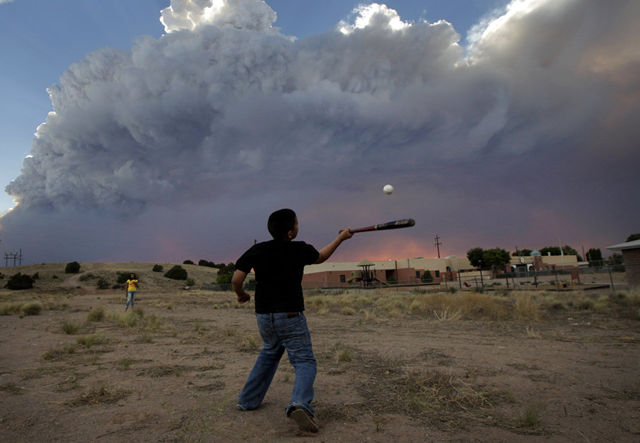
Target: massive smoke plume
x,y
522,128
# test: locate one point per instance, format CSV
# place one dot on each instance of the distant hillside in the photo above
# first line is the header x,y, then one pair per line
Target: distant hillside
x,y
52,276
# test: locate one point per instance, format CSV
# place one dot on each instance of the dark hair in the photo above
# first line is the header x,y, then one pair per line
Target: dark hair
x,y
135,277
281,222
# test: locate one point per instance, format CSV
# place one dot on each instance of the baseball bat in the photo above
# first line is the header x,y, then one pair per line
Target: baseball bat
x,y
406,223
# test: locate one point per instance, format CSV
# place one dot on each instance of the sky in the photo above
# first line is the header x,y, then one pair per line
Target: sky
x,y
166,130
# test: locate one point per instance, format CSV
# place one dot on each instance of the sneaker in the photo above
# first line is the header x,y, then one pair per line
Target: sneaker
x,y
239,407
305,420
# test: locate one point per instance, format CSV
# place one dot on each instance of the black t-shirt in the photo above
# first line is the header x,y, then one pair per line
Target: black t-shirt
x,y
279,267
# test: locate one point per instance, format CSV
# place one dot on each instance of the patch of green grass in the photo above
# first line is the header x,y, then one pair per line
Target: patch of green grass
x,y
32,308
124,363
90,340
56,354
70,327
96,314
531,414
147,338
248,344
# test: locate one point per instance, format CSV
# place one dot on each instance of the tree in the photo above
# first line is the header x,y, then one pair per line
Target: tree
x,y
187,262
633,237
553,250
158,268
223,279
615,259
206,263
225,274
522,253
427,277
568,250
497,258
594,255
475,256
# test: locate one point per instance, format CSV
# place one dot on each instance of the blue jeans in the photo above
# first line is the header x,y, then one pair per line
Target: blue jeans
x,y
279,333
131,295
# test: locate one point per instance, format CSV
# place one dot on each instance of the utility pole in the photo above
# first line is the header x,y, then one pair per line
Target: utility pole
x,y
437,244
11,255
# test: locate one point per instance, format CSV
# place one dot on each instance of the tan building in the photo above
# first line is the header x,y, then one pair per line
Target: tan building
x,y
411,270
631,256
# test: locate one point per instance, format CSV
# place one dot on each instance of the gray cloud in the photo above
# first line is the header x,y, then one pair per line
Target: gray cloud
x,y
224,107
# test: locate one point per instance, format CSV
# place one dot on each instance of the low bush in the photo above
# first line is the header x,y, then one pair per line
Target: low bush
x,y
123,277
20,281
32,308
103,283
85,277
72,268
158,268
96,314
176,273
70,327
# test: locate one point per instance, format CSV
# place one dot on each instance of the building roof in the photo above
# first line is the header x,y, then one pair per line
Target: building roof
x,y
622,246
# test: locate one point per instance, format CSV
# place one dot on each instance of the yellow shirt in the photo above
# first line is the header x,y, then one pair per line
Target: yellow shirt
x,y
132,285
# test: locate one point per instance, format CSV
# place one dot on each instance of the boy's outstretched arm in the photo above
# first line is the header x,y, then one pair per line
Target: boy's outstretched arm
x,y
328,250
237,283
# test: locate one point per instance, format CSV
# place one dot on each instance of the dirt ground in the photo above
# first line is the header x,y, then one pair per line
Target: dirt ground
x,y
174,376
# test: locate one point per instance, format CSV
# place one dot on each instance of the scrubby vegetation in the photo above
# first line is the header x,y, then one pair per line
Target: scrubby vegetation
x,y
177,273
20,281
72,268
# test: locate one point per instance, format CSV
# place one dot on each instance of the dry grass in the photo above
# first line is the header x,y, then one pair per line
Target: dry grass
x,y
527,307
438,397
101,395
22,308
70,327
89,340
531,414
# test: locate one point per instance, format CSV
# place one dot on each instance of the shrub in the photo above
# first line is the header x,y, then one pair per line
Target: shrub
x,y
158,268
191,282
123,277
90,340
36,276
31,308
10,308
85,277
103,283
96,314
72,268
70,327
20,281
223,278
188,262
426,277
176,273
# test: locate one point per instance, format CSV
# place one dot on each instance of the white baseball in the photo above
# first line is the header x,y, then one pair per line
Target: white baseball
x,y
388,189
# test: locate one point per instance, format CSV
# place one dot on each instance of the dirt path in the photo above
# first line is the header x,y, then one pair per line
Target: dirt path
x,y
175,376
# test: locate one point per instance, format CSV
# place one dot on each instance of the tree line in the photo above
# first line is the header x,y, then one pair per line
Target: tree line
x,y
497,258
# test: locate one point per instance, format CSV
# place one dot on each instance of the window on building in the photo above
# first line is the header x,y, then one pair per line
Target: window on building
x,y
417,274
343,278
437,274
